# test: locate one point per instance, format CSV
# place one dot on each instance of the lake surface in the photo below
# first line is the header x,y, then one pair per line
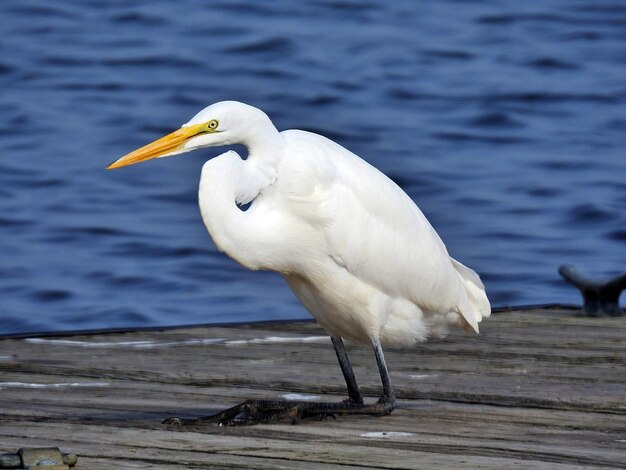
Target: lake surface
x,y
504,120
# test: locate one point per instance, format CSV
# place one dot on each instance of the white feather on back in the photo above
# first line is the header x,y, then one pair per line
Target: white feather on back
x,y
375,231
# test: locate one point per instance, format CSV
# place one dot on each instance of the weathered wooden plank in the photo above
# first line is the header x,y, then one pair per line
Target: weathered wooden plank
x,y
535,390
277,444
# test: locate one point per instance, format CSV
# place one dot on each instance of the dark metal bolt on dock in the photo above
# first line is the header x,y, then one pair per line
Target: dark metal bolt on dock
x,y
599,296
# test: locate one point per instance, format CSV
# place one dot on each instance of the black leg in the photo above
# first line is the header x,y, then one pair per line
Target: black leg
x,y
353,389
388,397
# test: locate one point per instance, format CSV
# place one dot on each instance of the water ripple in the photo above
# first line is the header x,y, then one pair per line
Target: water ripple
x,y
274,45
585,214
503,120
51,295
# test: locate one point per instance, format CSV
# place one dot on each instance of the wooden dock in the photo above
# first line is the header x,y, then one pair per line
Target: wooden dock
x,y
537,389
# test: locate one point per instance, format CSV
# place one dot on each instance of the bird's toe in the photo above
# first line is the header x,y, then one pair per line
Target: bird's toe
x,y
175,421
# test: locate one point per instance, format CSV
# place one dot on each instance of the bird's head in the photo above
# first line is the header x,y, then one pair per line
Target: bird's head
x,y
223,123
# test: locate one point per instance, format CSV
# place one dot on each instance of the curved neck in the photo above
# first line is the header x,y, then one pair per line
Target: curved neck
x,y
259,170
265,146
226,181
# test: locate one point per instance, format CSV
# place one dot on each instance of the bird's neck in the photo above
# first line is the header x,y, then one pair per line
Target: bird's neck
x,y
265,152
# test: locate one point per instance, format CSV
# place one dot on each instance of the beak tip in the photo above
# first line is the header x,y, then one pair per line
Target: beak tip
x,y
165,146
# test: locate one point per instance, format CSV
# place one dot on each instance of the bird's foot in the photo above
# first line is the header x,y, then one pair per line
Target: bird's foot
x,y
269,411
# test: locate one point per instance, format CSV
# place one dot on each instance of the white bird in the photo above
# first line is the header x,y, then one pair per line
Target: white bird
x,y
353,247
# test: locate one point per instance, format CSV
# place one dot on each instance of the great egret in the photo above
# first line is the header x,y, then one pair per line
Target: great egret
x,y
352,246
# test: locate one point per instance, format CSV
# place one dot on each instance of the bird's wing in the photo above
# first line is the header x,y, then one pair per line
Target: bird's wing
x,y
374,230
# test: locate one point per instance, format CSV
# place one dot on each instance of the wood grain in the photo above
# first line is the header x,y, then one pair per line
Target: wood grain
x,y
537,389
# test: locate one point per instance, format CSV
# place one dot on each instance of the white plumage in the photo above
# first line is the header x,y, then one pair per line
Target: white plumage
x,y
354,248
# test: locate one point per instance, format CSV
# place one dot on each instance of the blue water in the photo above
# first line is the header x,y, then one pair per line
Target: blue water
x,y
504,120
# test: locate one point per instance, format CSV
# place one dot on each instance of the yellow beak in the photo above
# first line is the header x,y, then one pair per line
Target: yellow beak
x,y
167,144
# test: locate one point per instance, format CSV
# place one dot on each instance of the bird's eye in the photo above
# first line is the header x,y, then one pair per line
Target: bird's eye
x,y
212,124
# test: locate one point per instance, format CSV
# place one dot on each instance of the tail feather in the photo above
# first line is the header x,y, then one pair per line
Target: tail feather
x,y
476,306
